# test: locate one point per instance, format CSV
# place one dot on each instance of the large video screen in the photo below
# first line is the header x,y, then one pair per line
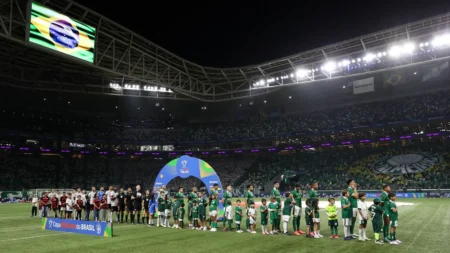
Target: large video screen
x,y
53,30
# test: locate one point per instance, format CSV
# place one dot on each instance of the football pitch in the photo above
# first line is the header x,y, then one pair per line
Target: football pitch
x,y
424,226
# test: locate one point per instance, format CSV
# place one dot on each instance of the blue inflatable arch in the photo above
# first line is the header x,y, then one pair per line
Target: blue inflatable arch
x,y
186,166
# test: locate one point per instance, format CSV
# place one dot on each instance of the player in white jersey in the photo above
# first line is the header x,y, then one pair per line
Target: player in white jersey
x,y
363,217
58,196
112,195
108,196
91,197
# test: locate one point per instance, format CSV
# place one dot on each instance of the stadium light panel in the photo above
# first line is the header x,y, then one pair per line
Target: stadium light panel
x,y
302,73
408,48
369,57
442,40
395,51
329,66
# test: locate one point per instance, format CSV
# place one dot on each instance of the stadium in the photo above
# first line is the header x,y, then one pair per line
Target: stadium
x,y
91,108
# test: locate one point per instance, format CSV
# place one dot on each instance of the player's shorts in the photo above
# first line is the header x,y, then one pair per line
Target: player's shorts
x,y
68,212
316,220
279,212
137,207
63,209
180,219
333,223
122,207
297,211
129,208
377,226
114,209
252,221
91,206
308,221
263,222
167,212
286,218
238,222
393,223
55,209
109,206
355,212
347,222
213,213
363,222
152,209
202,216
189,217
385,215
175,217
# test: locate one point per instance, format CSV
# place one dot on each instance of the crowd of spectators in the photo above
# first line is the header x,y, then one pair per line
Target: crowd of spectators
x,y
418,107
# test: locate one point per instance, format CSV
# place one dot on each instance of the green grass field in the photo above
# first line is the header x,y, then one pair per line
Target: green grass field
x,y
423,227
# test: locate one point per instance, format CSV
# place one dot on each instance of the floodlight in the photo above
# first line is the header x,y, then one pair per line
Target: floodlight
x,y
329,66
301,73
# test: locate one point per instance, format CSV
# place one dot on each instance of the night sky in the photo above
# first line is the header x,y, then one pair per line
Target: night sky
x,y
239,33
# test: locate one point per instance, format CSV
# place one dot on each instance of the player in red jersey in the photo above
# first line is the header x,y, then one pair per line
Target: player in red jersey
x,y
55,205
63,205
79,207
45,201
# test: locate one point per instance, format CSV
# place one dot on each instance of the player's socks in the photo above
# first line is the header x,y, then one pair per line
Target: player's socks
x,y
394,238
238,226
352,229
148,220
285,224
132,218
247,224
298,223
139,218
377,236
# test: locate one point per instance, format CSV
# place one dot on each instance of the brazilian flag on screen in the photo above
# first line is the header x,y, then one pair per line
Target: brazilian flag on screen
x,y
53,30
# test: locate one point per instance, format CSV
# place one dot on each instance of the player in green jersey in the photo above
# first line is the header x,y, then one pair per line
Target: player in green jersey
x,y
214,190
202,203
190,204
273,214
289,203
178,200
385,199
309,219
297,195
376,213
275,192
193,193
194,214
226,196
332,213
213,210
161,209
264,214
313,194
393,217
168,204
347,214
238,213
353,197
181,216
249,196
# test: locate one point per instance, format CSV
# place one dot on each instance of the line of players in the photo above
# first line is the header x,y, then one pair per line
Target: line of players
x,y
130,204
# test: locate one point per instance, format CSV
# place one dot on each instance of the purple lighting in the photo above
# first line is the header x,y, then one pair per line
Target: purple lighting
x,y
205,153
154,153
255,150
24,148
289,148
103,153
121,153
363,141
326,145
238,151
307,146
346,142
172,153
221,152
272,149
138,153
188,153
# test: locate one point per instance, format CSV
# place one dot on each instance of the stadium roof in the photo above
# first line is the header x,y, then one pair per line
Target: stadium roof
x,y
128,64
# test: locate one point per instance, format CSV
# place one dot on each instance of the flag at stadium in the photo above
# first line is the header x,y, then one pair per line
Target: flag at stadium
x,y
59,32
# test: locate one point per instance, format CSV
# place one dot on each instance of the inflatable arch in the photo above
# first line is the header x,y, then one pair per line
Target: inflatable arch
x,y
186,166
